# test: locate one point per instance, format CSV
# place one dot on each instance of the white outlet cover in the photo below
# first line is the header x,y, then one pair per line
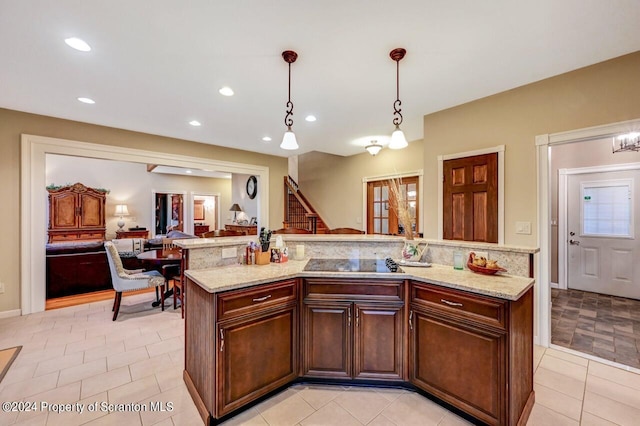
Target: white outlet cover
x,y
229,252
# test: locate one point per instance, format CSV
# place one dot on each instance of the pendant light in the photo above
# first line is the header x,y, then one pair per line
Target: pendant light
x,y
398,140
289,140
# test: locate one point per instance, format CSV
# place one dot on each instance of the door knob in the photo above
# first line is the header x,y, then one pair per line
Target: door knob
x,y
574,242
572,233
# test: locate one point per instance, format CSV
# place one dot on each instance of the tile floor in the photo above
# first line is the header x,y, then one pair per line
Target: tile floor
x,y
604,326
78,355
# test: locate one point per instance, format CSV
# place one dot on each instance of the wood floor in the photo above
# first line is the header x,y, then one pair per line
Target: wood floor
x,y
96,296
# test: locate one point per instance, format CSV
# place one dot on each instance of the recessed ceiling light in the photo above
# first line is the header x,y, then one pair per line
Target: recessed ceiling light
x,y
310,118
87,100
195,123
266,139
77,44
188,172
226,91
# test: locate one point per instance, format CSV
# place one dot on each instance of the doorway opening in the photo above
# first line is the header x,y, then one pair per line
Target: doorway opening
x,y
573,317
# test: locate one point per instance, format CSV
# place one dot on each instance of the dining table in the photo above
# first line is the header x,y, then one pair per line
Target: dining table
x,y
162,260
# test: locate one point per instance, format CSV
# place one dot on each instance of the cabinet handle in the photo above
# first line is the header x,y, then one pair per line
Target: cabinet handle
x,y
221,340
410,320
349,311
357,318
262,299
450,303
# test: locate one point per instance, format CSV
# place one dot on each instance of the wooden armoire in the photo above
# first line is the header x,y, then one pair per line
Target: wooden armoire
x,y
76,213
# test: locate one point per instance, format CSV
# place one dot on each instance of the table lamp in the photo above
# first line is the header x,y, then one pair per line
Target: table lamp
x,y
235,208
121,210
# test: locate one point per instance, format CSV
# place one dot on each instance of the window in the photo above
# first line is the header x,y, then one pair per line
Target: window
x,y
605,208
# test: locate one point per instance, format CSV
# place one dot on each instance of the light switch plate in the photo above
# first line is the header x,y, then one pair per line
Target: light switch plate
x,y
229,252
1,287
523,228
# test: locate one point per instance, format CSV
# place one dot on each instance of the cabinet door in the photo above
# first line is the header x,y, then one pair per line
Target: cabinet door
x,y
91,211
378,341
327,339
257,354
459,364
63,212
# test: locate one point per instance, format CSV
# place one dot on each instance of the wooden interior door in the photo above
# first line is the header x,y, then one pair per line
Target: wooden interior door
x,y
470,192
381,216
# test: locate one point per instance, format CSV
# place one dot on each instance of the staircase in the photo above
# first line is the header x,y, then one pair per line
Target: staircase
x,y
298,213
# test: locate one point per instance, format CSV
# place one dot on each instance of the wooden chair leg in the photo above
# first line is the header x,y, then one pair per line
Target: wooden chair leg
x,y
162,296
116,304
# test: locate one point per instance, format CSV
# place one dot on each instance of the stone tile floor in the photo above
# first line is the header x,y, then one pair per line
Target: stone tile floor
x,y
78,355
604,326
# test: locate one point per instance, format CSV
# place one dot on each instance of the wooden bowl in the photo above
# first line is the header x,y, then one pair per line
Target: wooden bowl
x,y
480,269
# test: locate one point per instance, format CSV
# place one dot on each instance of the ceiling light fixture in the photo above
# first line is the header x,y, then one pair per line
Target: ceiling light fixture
x,y
310,118
195,123
373,148
266,139
77,44
87,100
628,142
398,140
289,140
226,91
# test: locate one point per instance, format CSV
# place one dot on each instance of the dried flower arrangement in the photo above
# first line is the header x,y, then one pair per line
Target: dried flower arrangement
x,y
401,207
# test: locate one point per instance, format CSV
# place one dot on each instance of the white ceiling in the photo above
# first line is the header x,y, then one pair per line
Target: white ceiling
x,y
156,65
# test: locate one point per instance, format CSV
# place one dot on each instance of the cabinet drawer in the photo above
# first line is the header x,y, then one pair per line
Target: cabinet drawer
x,y
240,302
354,289
461,304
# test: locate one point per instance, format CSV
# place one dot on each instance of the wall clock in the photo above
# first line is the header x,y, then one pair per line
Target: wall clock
x,y
252,187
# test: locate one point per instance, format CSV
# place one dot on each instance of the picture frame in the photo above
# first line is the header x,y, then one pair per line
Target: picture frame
x,y
198,210
254,221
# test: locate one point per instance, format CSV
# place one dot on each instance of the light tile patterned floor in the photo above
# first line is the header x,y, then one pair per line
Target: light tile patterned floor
x,y
78,355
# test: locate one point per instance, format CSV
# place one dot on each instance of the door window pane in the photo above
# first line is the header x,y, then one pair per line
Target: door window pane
x,y
606,209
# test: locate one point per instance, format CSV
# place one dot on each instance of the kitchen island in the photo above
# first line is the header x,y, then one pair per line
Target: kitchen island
x,y
465,339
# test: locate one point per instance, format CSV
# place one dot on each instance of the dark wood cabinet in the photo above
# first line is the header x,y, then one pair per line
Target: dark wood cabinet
x,y
76,213
353,329
257,354
473,352
200,229
246,229
132,234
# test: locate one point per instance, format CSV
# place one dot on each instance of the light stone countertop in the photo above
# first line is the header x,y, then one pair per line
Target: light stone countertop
x,y
233,277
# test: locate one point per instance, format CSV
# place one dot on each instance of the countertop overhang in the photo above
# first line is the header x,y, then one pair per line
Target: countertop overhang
x,y
234,277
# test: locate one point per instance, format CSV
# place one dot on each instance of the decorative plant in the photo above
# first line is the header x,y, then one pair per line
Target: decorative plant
x,y
54,187
401,207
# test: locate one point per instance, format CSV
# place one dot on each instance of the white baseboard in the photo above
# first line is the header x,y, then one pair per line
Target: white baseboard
x,y
9,314
554,285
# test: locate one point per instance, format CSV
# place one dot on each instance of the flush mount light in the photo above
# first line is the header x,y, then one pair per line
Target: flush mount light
x,y
373,148
195,123
289,140
87,100
77,44
226,91
266,139
398,140
310,118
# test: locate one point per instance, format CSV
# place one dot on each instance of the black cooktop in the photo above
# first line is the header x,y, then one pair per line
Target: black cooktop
x,y
352,265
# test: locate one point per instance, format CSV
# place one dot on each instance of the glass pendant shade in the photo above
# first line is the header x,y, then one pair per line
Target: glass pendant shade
x,y
289,140
398,141
374,148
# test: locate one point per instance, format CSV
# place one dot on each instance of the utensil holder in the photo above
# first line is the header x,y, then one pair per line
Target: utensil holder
x,y
263,257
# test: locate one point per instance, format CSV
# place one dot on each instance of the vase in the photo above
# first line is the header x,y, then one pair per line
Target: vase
x,y
411,251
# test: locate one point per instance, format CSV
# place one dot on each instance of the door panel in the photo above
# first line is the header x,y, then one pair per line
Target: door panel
x,y
470,198
381,217
602,248
327,341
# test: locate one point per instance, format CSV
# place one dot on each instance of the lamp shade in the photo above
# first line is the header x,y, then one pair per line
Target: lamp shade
x,y
121,210
373,148
289,140
235,208
398,141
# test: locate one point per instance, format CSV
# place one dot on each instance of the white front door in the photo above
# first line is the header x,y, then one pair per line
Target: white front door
x,y
602,248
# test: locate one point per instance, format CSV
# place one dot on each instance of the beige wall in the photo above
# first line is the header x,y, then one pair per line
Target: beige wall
x,y
14,123
599,94
333,184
